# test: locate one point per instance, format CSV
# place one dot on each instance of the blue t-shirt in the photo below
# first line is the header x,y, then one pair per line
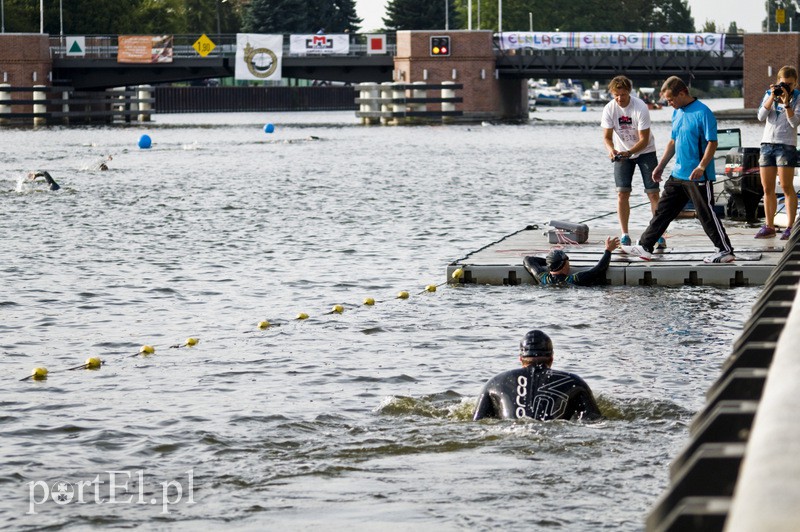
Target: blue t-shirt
x,y
693,126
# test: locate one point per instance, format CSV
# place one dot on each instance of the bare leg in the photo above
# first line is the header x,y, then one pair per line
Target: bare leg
x,y
653,196
623,209
768,175
786,174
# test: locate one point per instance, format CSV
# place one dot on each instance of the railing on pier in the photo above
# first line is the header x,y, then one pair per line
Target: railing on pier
x,y
42,105
392,103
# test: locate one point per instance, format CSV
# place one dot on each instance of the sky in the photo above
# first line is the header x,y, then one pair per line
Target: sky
x,y
747,14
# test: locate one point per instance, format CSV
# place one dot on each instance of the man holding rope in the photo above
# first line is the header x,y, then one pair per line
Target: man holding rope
x,y
627,137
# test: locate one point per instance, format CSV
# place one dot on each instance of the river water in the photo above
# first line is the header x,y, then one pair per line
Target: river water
x,y
351,421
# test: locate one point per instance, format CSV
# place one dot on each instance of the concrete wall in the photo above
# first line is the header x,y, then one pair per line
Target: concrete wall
x,y
762,52
472,63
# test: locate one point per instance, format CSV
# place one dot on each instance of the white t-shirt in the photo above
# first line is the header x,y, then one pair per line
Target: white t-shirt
x,y
626,123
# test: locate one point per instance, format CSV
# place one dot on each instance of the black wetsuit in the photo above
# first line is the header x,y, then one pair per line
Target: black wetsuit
x,y
47,177
536,392
537,267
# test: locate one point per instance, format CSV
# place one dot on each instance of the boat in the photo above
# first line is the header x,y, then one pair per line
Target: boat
x,y
596,95
648,96
561,94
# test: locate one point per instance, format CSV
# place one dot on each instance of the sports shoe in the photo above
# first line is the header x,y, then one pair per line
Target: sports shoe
x,y
661,244
637,251
786,234
718,258
625,240
765,232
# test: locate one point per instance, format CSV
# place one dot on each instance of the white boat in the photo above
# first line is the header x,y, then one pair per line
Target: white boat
x,y
562,93
596,95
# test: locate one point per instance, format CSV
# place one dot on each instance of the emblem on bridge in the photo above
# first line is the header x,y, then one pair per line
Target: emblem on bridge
x,y
204,45
258,56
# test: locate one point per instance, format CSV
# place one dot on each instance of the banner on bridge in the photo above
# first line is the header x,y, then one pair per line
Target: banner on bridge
x,y
553,40
258,56
319,44
144,49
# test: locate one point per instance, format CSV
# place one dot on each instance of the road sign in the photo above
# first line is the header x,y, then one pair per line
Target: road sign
x,y
780,16
76,46
204,45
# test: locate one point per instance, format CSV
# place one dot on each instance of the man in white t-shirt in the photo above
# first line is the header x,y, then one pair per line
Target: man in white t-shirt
x,y
626,133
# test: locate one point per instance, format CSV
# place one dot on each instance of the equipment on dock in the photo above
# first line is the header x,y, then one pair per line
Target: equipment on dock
x,y
567,232
744,183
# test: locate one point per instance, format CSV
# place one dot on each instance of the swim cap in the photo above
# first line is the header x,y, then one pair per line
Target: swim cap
x,y
556,260
536,344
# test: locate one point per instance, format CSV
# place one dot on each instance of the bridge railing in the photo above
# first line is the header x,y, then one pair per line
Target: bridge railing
x,y
106,46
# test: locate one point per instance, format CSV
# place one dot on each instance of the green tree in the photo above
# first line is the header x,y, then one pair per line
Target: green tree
x,y
791,11
421,15
709,27
276,16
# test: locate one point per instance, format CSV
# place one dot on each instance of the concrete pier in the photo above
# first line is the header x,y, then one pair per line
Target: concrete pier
x,y
739,472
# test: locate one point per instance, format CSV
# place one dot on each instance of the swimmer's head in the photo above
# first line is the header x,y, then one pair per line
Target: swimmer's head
x,y
556,260
536,345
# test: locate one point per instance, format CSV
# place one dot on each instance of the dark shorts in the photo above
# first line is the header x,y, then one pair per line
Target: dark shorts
x,y
624,168
777,155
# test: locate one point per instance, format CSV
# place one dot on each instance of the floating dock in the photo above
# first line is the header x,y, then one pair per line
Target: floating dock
x,y
500,263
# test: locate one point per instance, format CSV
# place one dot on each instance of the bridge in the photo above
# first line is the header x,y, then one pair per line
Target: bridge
x,y
99,68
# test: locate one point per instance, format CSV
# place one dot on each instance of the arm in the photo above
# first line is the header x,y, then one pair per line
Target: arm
x,y
536,266
700,171
484,407
587,277
766,105
669,152
792,108
608,140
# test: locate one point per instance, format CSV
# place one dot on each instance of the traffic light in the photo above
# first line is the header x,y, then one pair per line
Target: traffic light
x,y
440,46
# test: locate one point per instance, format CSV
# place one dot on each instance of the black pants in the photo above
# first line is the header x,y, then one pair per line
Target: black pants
x,y
676,193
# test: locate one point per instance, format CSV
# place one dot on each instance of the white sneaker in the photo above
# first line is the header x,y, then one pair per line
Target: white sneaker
x,y
721,257
637,251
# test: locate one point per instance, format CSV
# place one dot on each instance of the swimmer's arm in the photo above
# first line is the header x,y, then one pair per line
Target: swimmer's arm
x,y
484,408
596,272
536,266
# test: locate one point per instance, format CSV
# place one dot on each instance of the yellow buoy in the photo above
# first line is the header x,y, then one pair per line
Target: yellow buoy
x,y
458,273
338,309
302,316
369,301
402,295
93,363
263,324
39,374
147,350
191,342
430,288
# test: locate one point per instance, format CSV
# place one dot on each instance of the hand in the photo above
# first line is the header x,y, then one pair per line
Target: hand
x,y
613,155
657,171
697,174
612,243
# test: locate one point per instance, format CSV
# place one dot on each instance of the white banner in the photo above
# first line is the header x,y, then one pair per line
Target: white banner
x,y
319,44
258,57
597,40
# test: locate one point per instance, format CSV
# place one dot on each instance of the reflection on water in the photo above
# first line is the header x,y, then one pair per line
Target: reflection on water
x,y
338,420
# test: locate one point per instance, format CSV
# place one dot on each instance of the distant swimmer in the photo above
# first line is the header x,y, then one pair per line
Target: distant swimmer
x,y
46,175
555,268
535,391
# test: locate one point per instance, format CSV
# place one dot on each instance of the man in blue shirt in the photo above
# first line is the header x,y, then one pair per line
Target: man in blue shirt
x,y
693,142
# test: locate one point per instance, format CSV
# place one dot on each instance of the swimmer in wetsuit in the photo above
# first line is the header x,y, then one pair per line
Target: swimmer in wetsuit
x,y
555,269
46,175
535,391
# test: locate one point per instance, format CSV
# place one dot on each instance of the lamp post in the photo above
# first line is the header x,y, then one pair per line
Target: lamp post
x,y
446,15
41,16
3,15
499,16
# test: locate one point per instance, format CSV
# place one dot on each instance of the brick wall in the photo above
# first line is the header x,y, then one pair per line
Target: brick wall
x,y
22,55
764,55
471,63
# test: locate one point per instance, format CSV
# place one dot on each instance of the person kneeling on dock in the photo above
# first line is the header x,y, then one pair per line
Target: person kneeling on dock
x,y
555,268
535,391
46,175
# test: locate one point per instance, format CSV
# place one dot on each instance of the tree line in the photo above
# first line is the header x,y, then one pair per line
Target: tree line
x,y
92,17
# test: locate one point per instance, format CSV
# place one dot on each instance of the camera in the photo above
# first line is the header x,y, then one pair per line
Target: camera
x,y
618,157
779,88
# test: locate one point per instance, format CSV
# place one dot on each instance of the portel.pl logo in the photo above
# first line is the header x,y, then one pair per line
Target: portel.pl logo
x,y
112,487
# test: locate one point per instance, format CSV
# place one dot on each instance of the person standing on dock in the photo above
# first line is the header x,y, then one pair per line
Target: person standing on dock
x,y
535,391
627,137
555,268
780,109
693,141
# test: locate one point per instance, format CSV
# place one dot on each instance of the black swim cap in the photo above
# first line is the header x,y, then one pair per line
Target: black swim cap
x,y
536,344
556,260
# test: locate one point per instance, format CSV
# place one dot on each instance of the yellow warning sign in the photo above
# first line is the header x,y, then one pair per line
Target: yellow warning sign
x,y
780,16
204,45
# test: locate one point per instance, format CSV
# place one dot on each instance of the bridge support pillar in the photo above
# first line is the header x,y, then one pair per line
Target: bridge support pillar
x,y
39,95
4,108
145,107
472,63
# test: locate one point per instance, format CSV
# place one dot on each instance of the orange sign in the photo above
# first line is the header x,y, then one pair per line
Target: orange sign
x,y
144,49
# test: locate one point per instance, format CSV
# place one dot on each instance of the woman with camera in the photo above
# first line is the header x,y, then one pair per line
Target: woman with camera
x,y
780,108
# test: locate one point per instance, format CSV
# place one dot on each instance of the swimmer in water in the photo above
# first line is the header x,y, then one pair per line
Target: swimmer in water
x,y
46,175
555,268
535,391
